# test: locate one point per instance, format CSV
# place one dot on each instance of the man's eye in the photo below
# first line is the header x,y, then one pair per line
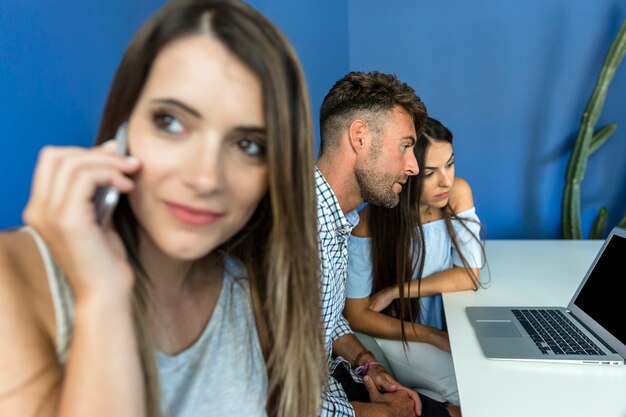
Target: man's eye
x,y
167,123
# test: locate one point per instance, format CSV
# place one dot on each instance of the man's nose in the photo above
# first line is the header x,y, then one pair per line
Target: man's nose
x,y
411,166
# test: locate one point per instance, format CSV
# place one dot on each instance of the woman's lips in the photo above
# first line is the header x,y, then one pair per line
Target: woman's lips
x,y
192,216
442,196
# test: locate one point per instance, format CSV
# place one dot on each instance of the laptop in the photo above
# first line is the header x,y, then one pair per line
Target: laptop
x,y
590,330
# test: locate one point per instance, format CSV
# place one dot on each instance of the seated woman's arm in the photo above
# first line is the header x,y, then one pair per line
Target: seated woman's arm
x,y
449,280
365,320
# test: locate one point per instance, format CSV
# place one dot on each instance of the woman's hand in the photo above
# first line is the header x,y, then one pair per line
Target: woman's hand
x,y
61,210
439,339
382,299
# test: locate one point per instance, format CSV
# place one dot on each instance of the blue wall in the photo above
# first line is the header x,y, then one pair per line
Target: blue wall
x,y
510,79
57,62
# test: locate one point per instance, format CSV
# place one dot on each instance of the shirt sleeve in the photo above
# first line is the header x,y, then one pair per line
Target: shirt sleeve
x,y
469,240
359,276
335,402
341,329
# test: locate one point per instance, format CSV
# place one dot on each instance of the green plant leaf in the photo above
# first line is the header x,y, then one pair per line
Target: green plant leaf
x,y
586,142
599,224
601,136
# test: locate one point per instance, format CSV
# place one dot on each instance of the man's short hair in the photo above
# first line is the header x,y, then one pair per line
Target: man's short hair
x,y
365,95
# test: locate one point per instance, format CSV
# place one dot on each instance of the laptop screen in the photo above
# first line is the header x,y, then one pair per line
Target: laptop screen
x,y
602,295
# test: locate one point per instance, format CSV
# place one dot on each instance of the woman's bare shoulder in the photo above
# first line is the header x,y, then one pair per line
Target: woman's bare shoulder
x,y
18,253
23,281
28,362
461,197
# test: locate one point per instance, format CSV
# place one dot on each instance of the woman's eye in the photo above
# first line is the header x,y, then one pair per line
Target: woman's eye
x,y
167,123
251,147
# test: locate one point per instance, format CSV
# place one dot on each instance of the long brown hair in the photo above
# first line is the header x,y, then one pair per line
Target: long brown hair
x,y
434,131
397,247
279,244
397,237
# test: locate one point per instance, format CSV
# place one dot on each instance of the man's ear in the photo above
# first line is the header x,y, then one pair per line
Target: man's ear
x,y
358,135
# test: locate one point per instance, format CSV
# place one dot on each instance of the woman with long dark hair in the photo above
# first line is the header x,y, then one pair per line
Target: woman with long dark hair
x,y
402,259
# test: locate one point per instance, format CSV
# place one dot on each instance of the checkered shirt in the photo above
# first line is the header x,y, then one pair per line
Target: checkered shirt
x,y
334,230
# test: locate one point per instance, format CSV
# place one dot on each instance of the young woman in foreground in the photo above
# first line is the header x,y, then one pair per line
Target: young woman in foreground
x,y
190,302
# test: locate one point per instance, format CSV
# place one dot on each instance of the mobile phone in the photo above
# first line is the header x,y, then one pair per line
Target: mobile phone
x,y
106,198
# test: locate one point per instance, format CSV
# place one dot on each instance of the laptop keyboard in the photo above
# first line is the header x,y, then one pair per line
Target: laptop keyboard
x,y
554,334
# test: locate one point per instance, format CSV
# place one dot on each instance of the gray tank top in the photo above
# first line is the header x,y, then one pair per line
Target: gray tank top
x,y
222,374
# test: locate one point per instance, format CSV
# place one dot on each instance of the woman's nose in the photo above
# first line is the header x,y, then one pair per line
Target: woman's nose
x,y
445,179
203,167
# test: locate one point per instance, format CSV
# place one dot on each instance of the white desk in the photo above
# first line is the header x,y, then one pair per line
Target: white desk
x,y
530,272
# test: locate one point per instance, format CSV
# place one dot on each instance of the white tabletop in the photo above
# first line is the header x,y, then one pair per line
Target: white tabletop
x,y
534,273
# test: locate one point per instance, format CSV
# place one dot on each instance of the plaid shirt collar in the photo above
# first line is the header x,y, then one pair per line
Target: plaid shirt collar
x,y
331,210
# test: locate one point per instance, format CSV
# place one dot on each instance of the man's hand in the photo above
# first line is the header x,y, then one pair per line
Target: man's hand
x,y
383,381
397,403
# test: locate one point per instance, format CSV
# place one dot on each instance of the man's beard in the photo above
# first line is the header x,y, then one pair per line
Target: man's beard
x,y
376,188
